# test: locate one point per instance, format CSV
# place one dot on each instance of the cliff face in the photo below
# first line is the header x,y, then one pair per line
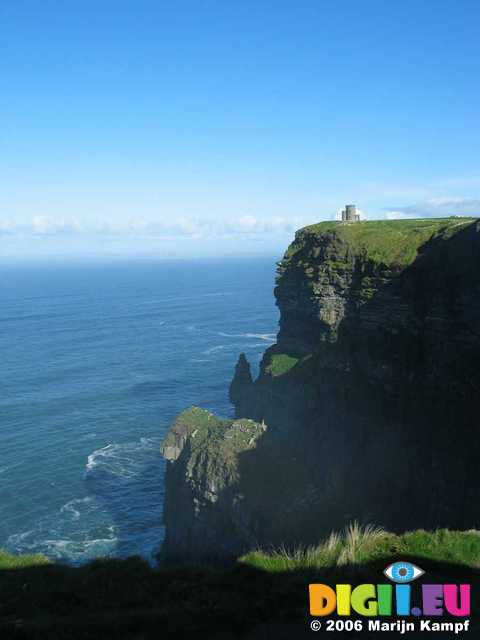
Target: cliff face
x,y
370,396
205,515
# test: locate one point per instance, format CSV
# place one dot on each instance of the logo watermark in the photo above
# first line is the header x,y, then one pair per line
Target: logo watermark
x,y
375,601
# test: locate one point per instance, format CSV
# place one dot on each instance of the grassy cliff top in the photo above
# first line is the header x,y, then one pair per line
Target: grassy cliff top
x,y
214,443
390,242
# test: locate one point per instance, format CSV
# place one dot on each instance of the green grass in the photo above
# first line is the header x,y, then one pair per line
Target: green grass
x,y
10,561
280,363
358,545
450,546
389,242
214,443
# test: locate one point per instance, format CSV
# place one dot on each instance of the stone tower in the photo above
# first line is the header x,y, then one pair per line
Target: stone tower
x,y
349,214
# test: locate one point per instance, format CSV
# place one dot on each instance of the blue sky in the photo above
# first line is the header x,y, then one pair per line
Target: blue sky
x,y
218,127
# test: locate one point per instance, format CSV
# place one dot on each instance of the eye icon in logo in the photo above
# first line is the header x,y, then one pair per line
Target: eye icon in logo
x,y
402,572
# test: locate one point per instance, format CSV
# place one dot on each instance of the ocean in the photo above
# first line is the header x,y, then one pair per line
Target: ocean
x,y
97,359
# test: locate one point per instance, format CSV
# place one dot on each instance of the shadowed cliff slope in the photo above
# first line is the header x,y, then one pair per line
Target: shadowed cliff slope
x,y
261,597
366,407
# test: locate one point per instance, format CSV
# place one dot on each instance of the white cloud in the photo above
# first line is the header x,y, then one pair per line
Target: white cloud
x,y
43,225
436,208
398,215
141,227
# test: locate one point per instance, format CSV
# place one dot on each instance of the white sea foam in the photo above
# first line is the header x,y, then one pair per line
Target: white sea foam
x,y
66,534
77,550
79,547
211,350
267,337
19,538
119,459
73,508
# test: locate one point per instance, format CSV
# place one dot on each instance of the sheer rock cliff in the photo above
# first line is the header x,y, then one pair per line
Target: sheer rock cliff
x,y
365,408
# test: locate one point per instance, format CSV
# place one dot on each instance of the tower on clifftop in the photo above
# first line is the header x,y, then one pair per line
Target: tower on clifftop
x,y
349,214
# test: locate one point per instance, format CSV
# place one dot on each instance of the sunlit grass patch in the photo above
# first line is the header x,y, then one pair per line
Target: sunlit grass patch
x,y
10,561
358,544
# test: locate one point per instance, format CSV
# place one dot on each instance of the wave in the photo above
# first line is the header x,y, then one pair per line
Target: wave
x,y
64,549
267,337
70,508
119,459
79,531
211,350
120,515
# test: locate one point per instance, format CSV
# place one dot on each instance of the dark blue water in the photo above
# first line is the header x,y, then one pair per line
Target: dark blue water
x,y
96,360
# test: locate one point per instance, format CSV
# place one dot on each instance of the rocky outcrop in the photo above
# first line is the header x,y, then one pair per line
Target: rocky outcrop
x,y
370,395
205,514
240,387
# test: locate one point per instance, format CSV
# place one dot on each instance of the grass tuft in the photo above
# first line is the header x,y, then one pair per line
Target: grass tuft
x,y
359,544
355,544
